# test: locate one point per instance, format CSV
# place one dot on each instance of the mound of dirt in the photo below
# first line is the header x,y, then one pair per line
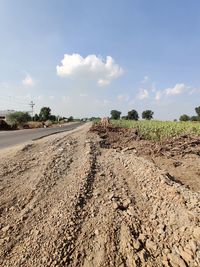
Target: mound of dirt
x,y
179,156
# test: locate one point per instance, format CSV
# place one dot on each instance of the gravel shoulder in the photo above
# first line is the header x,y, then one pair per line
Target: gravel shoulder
x,y
66,200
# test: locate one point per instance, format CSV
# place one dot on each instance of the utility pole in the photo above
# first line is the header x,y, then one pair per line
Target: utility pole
x,y
32,106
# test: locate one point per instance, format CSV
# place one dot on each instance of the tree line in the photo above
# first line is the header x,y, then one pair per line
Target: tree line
x,y
186,117
132,115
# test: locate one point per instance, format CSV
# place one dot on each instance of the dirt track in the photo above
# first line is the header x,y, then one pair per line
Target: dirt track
x,y
66,201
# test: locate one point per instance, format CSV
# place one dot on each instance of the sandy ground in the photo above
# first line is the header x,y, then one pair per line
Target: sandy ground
x,y
66,200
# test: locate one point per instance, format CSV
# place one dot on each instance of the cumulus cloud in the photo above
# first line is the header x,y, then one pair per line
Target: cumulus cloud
x,y
28,80
143,93
91,67
179,88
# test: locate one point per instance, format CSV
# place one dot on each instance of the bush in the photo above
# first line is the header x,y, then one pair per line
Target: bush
x,y
184,117
18,118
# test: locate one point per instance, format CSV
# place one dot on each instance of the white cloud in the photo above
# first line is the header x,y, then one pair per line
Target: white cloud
x,y
122,98
143,93
91,67
158,95
194,91
179,88
145,79
28,80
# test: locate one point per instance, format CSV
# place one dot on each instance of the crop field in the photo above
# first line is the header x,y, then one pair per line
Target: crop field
x,y
161,130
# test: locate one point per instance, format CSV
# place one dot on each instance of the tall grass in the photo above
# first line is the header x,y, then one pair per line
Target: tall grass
x,y
161,130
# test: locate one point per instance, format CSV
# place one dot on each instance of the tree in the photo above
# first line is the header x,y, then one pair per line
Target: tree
x,y
197,109
115,114
195,118
45,113
70,118
53,118
184,117
147,114
18,118
133,115
36,117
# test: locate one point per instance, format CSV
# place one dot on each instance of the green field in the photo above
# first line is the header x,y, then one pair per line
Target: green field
x,y
161,130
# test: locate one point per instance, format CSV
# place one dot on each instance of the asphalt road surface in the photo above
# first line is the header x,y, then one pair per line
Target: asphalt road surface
x,y
11,138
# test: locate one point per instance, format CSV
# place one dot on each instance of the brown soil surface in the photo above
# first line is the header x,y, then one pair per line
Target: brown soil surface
x,y
67,201
178,156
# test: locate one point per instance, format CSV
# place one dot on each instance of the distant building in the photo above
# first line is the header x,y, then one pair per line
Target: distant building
x,y
4,113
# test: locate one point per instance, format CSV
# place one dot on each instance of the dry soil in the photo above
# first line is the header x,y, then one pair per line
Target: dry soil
x,y
74,200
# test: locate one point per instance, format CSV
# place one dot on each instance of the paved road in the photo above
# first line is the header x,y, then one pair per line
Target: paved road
x,y
11,138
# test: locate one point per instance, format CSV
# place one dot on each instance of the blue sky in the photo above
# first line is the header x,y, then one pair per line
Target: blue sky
x,y
133,54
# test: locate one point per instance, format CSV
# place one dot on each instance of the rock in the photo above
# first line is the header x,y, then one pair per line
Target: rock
x,y
185,255
192,245
196,233
176,260
151,245
130,211
137,244
126,203
142,237
96,232
115,205
6,228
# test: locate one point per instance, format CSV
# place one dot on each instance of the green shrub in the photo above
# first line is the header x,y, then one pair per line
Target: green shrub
x,y
18,118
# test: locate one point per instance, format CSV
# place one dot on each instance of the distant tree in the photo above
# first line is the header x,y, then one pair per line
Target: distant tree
x,y
18,118
52,118
184,117
45,113
175,119
36,117
197,109
195,118
133,115
115,114
147,114
70,118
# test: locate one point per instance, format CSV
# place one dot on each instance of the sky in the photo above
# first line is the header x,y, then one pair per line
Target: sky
x,y
86,57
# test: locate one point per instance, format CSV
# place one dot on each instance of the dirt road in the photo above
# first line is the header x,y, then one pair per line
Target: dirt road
x,y
67,201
